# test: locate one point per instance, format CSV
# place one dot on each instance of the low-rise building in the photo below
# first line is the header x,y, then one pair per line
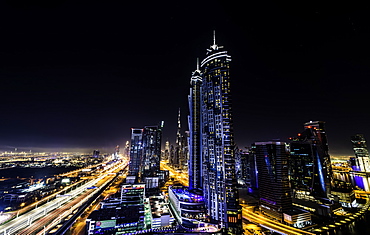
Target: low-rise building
x,y
187,205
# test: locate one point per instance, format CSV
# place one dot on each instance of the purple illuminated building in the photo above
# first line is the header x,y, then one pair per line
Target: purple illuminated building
x,y
188,205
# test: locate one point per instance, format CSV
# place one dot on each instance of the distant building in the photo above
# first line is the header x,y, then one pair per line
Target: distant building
x,y
273,178
96,153
116,152
178,153
127,149
362,159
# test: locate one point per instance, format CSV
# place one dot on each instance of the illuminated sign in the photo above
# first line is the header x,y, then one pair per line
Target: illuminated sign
x,y
66,181
105,224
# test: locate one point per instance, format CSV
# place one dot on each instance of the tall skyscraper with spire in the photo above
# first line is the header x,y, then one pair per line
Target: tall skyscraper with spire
x,y
211,91
194,122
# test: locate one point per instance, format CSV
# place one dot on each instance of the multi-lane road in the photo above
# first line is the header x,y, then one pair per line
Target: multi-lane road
x,y
45,217
272,225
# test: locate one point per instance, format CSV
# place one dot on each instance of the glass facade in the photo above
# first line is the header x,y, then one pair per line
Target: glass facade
x,y
310,165
362,154
152,139
219,177
194,121
274,188
136,151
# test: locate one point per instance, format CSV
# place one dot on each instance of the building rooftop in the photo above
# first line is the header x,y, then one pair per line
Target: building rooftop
x,y
158,207
123,214
187,195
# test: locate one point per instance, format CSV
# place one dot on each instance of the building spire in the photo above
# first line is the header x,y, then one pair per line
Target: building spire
x,y
214,37
214,46
198,63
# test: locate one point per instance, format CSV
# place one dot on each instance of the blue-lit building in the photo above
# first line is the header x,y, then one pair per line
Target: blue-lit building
x,y
210,101
136,152
188,205
310,165
145,152
273,178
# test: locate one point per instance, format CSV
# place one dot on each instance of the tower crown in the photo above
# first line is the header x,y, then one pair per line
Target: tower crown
x,y
214,47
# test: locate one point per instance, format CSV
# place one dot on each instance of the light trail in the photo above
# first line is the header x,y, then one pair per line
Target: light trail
x,y
271,224
48,215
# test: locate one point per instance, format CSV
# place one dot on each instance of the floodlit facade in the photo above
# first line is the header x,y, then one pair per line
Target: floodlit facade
x,y
211,118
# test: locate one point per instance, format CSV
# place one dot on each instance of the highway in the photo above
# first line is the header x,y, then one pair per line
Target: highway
x,y
183,178
48,215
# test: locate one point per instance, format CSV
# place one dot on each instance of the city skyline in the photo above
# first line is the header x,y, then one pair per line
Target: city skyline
x,y
80,75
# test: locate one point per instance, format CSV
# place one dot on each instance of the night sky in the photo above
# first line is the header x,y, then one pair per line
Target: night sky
x,y
80,74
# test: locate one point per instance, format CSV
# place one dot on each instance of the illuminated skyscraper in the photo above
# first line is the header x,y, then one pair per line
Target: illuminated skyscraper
x,y
195,137
211,87
310,166
361,153
136,154
152,140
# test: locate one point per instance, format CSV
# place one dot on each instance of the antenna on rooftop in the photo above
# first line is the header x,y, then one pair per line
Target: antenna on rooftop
x,y
214,37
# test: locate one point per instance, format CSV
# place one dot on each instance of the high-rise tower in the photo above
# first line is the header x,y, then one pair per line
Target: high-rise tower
x,y
136,154
361,152
310,165
274,188
152,140
195,138
218,160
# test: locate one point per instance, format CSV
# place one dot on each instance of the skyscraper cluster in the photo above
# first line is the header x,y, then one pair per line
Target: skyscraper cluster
x,y
290,178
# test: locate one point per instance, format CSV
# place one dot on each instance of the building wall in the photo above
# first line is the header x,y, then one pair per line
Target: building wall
x,y
274,188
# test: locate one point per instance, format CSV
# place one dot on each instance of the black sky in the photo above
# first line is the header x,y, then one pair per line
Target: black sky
x,y
80,74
